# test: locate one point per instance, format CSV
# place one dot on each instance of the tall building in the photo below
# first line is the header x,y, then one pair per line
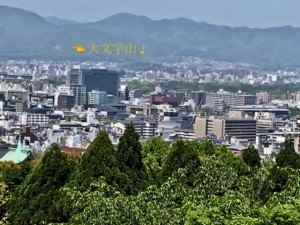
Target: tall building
x,y
199,97
101,80
80,94
75,77
82,82
96,98
124,93
77,87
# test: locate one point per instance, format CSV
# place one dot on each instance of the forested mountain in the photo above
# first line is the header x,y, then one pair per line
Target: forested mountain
x,y
25,34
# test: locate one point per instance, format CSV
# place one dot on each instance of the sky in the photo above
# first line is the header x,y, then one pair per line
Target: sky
x,y
252,13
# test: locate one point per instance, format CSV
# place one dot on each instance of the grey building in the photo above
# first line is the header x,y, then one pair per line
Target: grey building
x,y
82,82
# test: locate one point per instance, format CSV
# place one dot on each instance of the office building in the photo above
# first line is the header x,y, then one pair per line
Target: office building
x,y
80,94
77,87
199,97
75,77
263,98
220,100
226,128
65,101
35,119
101,80
260,111
96,98
82,82
146,129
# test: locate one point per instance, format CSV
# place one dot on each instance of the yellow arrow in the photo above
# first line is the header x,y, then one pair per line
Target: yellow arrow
x,y
79,49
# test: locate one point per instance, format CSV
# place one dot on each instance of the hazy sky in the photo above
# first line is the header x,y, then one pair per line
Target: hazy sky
x,y
254,13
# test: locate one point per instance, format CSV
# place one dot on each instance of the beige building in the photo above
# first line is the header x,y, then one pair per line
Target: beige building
x,y
226,128
263,98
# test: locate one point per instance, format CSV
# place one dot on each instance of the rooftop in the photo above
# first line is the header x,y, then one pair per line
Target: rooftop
x,y
17,155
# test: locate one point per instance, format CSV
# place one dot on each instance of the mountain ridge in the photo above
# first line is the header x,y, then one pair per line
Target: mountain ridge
x,y
60,21
36,36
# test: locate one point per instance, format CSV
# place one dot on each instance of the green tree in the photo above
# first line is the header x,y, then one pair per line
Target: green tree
x,y
208,147
34,202
251,157
223,154
287,157
14,174
182,155
130,162
156,205
282,214
99,160
199,188
155,152
5,195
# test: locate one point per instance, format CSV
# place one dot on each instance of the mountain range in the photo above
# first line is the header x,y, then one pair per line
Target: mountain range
x,y
25,34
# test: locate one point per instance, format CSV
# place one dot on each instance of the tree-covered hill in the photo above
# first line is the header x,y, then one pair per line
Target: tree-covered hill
x,y
25,34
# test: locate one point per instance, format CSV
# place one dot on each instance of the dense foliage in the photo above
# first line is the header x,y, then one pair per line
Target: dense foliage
x,y
184,183
130,162
34,202
99,161
251,157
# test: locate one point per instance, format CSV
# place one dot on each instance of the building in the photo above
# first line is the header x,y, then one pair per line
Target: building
x,y
65,101
101,80
184,134
41,99
35,119
263,98
96,98
255,111
124,93
15,78
80,94
269,143
160,99
75,77
248,99
77,87
37,116
222,99
81,82
199,97
226,128
17,155
146,129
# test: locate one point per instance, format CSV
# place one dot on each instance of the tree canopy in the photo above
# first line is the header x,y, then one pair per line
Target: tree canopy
x,y
129,155
34,201
251,157
181,183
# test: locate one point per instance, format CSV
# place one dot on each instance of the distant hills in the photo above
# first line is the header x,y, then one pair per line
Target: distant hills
x,y
26,34
58,21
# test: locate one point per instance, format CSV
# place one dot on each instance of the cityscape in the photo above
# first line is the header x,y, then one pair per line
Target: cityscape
x,y
69,103
134,133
